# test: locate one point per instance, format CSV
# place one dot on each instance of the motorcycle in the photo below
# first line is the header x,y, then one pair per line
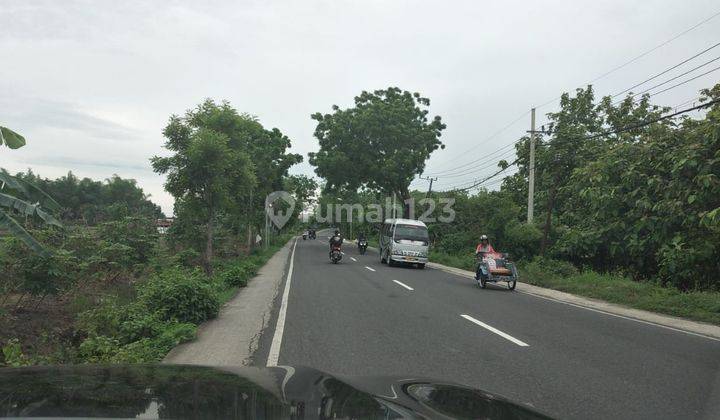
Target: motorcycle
x,y
305,235
335,254
362,246
494,267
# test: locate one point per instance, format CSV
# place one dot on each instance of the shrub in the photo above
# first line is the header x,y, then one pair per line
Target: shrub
x,y
154,349
188,258
180,295
13,355
239,273
98,349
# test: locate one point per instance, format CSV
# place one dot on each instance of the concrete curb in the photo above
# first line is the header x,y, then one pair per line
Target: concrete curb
x,y
666,321
232,337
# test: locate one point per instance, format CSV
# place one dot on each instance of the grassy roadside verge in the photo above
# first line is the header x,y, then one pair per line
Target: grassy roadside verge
x,y
649,296
236,273
160,311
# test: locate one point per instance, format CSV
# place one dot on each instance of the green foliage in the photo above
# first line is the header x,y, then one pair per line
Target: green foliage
x,y
238,274
11,139
180,295
13,355
381,143
137,235
649,296
188,258
88,202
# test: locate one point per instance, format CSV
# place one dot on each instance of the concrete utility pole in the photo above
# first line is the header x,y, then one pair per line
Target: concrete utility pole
x,y
531,177
431,179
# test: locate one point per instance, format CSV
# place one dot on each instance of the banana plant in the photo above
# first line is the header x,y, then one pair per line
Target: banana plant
x,y
12,204
11,139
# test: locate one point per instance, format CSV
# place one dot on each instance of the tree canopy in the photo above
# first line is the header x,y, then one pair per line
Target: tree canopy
x,y
381,143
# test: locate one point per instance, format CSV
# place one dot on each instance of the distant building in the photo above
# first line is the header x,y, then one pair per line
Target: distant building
x,y
164,224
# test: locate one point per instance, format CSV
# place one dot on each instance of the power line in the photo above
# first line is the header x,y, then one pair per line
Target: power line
x,y
639,56
671,69
606,133
488,178
454,172
513,122
646,123
686,81
670,80
488,163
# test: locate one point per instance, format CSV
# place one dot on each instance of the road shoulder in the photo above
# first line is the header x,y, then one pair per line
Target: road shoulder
x,y
675,323
232,337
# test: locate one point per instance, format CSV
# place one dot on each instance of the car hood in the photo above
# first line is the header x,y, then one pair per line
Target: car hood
x,y
182,391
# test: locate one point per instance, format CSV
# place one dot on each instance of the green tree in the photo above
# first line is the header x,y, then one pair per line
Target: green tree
x,y
381,143
203,171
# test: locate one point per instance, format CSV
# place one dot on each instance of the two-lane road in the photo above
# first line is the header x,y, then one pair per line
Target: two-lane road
x,y
361,317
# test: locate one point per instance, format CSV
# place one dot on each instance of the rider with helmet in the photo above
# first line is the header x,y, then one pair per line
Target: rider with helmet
x,y
484,245
336,240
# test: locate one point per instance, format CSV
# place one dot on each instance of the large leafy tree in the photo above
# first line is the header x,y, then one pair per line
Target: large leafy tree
x,y
238,163
381,143
267,148
203,173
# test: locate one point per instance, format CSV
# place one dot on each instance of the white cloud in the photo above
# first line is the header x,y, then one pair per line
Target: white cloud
x,y
92,83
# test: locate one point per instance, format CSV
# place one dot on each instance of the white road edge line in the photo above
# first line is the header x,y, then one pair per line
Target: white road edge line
x,y
274,353
403,285
371,269
667,327
600,311
496,331
353,259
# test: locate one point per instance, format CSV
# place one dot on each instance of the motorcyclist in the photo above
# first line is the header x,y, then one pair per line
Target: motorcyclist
x,y
361,237
484,246
335,240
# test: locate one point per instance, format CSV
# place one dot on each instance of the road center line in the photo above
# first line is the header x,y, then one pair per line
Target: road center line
x,y
353,259
371,269
496,331
274,353
403,285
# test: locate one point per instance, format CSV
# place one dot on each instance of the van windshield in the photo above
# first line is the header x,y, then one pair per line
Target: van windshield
x,y
412,233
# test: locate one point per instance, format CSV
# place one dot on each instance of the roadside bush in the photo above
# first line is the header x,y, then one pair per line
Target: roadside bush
x,y
98,349
180,295
188,258
521,240
13,355
240,272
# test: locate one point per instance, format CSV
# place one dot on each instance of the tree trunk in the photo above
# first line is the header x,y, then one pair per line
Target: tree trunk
x,y
407,210
209,245
548,219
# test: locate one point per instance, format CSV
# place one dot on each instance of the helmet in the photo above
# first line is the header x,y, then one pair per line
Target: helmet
x,y
483,238
337,231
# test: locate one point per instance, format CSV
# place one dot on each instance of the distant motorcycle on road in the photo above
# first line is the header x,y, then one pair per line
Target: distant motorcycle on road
x,y
335,254
305,235
362,246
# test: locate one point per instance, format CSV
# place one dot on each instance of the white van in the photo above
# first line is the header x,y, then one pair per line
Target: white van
x,y
404,241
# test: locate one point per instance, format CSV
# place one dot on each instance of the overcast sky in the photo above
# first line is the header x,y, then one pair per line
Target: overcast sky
x,y
92,83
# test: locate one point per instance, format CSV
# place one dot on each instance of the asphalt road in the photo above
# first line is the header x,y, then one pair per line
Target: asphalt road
x,y
361,317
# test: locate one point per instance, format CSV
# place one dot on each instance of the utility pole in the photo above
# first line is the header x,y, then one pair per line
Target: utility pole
x,y
431,179
531,176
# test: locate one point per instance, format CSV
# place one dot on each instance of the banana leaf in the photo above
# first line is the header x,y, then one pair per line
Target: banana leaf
x,y
10,138
27,209
28,190
7,222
